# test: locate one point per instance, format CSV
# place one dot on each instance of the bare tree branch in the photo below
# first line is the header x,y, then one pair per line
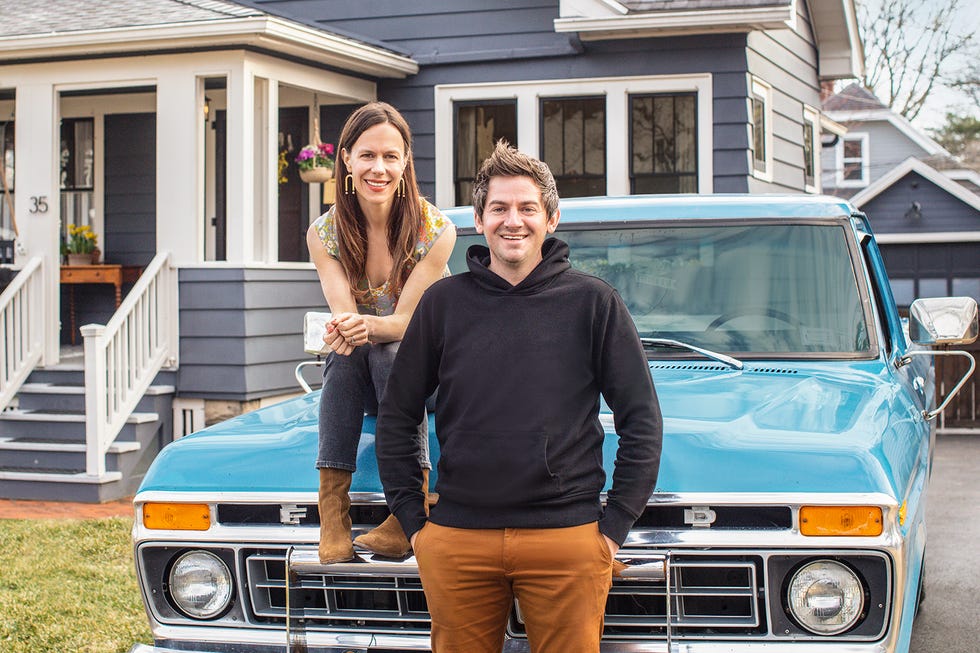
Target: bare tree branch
x,y
910,46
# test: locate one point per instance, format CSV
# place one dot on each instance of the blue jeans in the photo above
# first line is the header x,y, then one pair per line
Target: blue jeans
x,y
352,386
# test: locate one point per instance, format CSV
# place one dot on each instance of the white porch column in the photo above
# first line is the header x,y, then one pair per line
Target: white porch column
x,y
241,234
267,165
179,191
37,202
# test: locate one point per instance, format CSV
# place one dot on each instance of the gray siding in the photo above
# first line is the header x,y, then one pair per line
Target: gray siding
x,y
241,330
940,210
787,60
887,147
435,31
721,55
130,188
474,41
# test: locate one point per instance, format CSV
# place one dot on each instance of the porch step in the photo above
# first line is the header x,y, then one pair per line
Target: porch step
x,y
42,440
37,454
71,397
63,485
65,426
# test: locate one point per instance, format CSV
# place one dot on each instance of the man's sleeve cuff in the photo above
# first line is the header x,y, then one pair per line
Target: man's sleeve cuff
x,y
616,523
411,518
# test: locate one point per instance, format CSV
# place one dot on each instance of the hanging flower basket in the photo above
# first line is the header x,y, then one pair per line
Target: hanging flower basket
x,y
317,175
315,163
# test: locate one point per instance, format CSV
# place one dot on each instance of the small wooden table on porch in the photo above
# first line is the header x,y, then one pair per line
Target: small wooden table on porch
x,y
116,275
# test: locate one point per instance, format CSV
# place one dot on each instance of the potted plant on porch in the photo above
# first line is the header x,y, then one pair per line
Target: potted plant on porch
x,y
80,248
315,162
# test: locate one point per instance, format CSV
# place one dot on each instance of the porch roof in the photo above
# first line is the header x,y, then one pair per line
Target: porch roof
x,y
59,29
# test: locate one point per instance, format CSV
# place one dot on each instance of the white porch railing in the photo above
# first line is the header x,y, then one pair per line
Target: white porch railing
x,y
21,329
123,357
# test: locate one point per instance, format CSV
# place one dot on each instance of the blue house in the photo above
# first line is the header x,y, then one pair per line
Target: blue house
x,y
169,128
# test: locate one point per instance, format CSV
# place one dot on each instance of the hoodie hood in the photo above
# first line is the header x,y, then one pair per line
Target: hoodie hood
x,y
554,255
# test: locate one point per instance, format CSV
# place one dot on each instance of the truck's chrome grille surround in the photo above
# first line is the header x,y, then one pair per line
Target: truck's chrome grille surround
x,y
713,596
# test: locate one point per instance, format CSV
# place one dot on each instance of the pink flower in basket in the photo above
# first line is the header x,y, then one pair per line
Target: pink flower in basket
x,y
318,155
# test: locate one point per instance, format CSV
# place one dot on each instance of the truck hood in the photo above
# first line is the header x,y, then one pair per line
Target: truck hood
x,y
783,427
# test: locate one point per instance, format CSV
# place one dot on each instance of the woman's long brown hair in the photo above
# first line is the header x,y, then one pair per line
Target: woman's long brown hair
x,y
404,223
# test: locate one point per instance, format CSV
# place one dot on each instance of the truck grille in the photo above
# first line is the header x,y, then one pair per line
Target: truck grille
x,y
711,595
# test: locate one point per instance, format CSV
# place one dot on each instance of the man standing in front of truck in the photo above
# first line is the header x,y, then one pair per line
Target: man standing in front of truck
x,y
520,348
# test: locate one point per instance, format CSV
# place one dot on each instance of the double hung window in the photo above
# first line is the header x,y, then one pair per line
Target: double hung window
x,y
601,136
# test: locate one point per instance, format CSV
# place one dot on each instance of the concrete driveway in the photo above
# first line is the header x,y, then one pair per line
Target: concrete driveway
x,y
949,620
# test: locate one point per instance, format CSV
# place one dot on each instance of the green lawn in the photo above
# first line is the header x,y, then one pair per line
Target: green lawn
x,y
69,585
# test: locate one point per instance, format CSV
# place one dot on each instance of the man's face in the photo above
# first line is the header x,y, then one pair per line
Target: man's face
x,y
515,225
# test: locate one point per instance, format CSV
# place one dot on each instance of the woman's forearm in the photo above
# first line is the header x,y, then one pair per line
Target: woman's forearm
x,y
386,328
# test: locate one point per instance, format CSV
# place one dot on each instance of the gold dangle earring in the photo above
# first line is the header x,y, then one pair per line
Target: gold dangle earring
x,y
400,192
349,184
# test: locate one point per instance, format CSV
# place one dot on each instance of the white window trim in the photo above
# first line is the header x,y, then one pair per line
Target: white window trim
x,y
865,161
764,91
812,116
616,91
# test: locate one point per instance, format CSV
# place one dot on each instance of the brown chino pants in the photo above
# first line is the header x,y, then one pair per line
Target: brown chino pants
x,y
559,576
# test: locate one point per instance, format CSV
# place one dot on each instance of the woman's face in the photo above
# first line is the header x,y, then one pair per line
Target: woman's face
x,y
377,161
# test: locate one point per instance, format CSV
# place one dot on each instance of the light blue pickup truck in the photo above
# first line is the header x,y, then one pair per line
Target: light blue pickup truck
x,y
790,509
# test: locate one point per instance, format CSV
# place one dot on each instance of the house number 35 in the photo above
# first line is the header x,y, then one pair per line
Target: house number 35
x,y
39,204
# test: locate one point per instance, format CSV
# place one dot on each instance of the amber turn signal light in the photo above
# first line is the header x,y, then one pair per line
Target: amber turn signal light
x,y
177,516
853,521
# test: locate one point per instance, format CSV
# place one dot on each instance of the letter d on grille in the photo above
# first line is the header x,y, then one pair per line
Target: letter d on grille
x,y
699,516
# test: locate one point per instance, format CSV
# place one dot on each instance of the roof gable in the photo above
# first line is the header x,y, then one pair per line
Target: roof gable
x,y
912,164
856,104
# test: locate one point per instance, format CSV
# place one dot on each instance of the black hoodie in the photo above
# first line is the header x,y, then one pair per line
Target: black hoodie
x,y
519,371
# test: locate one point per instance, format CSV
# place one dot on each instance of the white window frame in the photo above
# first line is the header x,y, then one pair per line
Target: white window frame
x,y
528,94
865,161
763,91
812,117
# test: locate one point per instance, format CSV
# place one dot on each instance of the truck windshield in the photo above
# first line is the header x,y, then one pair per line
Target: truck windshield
x,y
741,289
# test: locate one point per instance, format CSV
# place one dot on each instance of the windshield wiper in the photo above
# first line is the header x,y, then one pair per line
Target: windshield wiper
x,y
677,344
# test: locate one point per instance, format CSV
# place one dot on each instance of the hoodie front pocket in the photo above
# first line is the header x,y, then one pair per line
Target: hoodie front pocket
x,y
496,468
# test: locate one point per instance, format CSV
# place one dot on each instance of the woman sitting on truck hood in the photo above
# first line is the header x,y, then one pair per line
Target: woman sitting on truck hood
x,y
376,251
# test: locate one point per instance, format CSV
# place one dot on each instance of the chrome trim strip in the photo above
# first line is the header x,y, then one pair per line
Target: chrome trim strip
x,y
658,498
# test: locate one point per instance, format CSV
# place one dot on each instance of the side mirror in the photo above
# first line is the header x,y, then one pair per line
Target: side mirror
x,y
943,321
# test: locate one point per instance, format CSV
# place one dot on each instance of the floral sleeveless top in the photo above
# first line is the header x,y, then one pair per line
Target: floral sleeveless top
x,y
381,300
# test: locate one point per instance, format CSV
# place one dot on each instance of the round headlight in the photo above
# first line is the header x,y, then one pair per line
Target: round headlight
x,y
825,597
200,584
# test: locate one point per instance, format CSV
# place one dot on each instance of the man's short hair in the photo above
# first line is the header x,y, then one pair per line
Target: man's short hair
x,y
507,161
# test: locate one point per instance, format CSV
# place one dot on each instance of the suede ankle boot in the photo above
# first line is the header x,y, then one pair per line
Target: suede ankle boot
x,y
335,524
388,539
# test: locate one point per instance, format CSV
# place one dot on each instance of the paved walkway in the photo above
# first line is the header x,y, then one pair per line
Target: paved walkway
x,y
18,509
